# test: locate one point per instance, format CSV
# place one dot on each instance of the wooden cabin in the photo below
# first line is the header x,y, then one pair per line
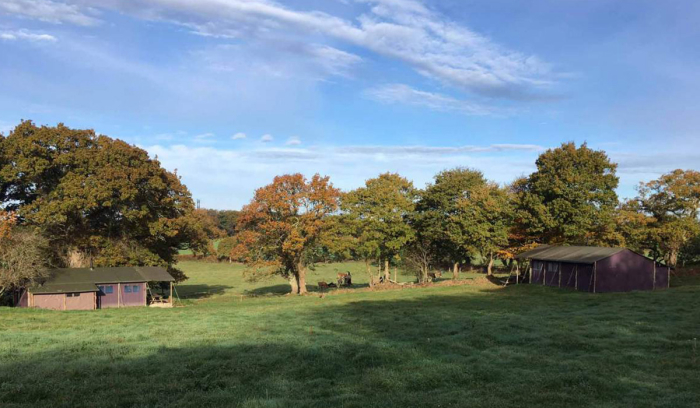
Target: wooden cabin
x,y
98,288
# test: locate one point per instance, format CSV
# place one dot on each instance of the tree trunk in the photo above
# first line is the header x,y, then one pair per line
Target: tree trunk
x,y
294,284
387,272
396,274
673,258
370,275
302,280
455,271
489,270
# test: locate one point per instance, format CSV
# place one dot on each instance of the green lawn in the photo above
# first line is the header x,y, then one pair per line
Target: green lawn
x,y
446,346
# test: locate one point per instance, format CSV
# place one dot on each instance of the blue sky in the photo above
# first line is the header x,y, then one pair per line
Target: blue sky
x,y
232,92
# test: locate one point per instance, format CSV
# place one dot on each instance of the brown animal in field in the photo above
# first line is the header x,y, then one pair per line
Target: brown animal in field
x,y
322,285
344,279
434,275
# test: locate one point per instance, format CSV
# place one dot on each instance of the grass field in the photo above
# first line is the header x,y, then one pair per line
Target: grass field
x,y
443,346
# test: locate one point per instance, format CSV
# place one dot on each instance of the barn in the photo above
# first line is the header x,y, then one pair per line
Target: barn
x,y
97,288
595,269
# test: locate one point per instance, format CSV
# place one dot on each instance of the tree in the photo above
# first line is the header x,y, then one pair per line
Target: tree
x,y
24,256
438,209
673,200
378,214
91,194
570,199
483,220
284,225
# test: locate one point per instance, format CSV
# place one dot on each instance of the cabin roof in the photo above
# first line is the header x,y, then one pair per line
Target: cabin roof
x,y
85,279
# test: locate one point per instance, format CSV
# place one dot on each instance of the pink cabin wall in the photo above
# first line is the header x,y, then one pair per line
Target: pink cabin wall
x,y
120,297
81,301
49,301
135,296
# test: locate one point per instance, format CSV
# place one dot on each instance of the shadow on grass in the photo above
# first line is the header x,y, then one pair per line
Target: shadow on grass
x,y
526,346
201,291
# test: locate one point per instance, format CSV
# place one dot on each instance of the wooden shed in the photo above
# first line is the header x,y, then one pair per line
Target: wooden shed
x,y
595,269
97,288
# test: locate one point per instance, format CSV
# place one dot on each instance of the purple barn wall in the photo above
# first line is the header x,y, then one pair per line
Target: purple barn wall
x,y
662,273
537,272
551,275
568,275
584,277
623,272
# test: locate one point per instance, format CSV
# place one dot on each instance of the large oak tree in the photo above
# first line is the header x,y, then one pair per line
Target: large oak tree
x,y
379,214
283,225
96,196
570,199
673,202
441,219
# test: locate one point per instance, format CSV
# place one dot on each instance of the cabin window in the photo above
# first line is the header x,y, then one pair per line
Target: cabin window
x,y
72,294
135,288
101,288
127,289
109,289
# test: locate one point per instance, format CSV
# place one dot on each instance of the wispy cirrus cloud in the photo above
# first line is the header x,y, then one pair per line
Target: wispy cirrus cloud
x,y
405,30
50,11
239,136
404,94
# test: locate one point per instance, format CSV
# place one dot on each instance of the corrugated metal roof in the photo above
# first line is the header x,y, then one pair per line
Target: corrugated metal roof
x,y
64,288
573,254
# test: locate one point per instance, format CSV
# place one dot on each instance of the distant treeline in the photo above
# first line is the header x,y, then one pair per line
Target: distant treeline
x,y
71,198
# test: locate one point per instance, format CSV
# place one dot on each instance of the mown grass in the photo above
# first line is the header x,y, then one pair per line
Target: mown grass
x,y
452,346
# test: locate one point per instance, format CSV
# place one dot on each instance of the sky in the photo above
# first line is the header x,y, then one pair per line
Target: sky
x,y
231,93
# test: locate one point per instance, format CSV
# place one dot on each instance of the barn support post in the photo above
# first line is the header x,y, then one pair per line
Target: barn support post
x,y
595,272
559,274
653,286
576,274
544,274
119,295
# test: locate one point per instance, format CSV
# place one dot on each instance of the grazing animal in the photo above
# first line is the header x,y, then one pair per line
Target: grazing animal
x,y
344,279
323,285
434,275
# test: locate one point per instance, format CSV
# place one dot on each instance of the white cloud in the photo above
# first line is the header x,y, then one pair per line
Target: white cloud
x,y
293,141
400,93
208,171
238,136
267,138
49,11
404,30
25,35
205,138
